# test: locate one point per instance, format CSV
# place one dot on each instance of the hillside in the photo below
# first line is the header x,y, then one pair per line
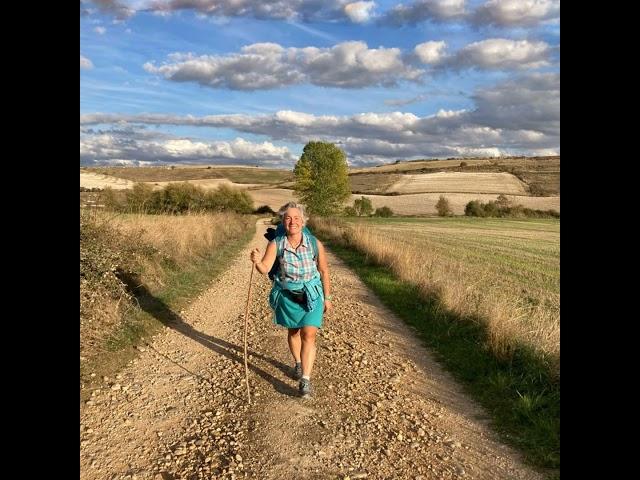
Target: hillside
x,y
408,187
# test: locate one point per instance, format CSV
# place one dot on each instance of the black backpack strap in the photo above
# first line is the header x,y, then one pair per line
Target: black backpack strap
x,y
314,242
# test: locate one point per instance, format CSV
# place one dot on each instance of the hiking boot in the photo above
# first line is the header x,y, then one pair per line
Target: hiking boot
x,y
304,388
297,371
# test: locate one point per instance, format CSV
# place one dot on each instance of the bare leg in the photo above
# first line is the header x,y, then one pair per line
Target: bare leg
x,y
293,338
308,353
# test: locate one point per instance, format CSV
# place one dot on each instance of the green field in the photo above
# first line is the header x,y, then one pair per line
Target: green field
x,y
519,256
484,295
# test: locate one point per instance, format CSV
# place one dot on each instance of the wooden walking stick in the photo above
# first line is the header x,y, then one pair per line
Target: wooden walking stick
x,y
246,323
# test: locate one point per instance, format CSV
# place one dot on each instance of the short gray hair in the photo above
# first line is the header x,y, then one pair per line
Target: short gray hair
x,y
289,205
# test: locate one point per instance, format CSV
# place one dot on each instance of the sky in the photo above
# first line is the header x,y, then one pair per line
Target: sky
x,y
250,82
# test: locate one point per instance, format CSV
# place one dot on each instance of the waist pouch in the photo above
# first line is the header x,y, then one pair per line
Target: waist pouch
x,y
299,296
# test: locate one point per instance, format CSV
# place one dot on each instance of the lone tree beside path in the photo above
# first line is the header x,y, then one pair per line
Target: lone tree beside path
x,y
322,180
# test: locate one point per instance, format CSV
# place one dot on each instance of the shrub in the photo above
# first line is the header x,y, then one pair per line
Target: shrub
x,y
264,209
443,207
383,212
350,212
474,208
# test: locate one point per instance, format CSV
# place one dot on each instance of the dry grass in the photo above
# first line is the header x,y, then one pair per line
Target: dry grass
x,y
541,174
145,246
459,182
210,184
98,180
507,277
425,203
372,183
532,163
182,237
274,197
411,204
236,174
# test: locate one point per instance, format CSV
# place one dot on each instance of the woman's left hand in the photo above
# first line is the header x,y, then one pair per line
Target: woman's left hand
x,y
328,306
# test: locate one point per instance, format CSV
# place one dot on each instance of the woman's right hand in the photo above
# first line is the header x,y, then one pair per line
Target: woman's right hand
x,y
255,255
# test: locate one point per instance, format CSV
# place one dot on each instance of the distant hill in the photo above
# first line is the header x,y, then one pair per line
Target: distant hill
x,y
408,187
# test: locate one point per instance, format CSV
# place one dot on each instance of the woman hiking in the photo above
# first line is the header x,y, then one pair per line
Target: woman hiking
x,y
301,291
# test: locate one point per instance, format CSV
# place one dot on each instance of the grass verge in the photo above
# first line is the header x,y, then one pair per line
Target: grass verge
x,y
520,396
181,286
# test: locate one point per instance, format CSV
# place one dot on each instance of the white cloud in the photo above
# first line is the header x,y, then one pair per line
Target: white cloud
x,y
345,65
359,12
269,65
114,7
135,147
100,30
520,116
530,102
499,13
295,118
303,10
85,63
430,52
501,54
511,13
421,10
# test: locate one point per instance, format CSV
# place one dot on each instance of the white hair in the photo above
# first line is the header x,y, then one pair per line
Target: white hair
x,y
287,206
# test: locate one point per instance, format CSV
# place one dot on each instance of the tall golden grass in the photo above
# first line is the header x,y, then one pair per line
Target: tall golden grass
x,y
140,244
182,237
464,290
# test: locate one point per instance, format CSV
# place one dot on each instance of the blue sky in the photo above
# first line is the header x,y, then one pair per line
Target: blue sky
x,y
251,81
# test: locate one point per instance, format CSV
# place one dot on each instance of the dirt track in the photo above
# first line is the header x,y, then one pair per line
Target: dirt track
x,y
383,408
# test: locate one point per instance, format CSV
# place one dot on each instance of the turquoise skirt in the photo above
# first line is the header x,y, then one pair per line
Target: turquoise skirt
x,y
290,314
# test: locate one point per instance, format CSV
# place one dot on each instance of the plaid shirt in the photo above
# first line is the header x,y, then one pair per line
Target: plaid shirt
x,y
296,265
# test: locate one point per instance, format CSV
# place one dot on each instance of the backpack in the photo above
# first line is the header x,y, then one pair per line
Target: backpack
x,y
273,233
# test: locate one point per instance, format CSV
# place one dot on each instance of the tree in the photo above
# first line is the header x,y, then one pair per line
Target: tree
x,y
363,206
443,207
322,181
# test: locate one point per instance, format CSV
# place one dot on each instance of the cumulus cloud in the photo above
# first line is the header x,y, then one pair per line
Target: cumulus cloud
x,y
520,116
515,13
298,10
114,7
85,63
529,102
421,10
100,30
345,65
500,54
430,52
364,152
269,65
359,12
136,146
498,13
